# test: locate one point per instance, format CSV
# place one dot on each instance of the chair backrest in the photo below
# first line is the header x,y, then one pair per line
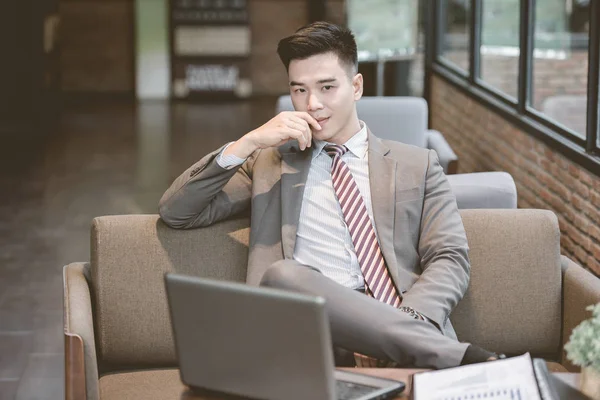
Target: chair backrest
x,y
129,256
513,303
399,118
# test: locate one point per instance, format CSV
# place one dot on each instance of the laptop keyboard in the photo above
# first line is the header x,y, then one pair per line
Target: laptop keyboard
x,y
349,391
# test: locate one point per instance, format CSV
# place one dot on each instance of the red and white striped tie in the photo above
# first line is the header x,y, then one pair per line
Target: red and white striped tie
x,y
378,282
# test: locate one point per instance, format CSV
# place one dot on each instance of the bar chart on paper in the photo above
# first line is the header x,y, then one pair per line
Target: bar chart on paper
x,y
497,394
510,379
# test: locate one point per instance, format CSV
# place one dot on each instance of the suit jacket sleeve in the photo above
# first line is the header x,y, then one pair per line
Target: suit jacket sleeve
x,y
207,193
443,250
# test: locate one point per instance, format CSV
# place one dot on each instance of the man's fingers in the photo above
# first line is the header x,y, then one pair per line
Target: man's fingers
x,y
298,135
301,125
306,117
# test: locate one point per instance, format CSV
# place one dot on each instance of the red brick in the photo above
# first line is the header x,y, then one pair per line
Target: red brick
x,y
566,243
562,224
594,231
581,222
594,198
595,250
579,238
597,185
581,255
593,264
574,170
581,189
578,202
549,154
560,189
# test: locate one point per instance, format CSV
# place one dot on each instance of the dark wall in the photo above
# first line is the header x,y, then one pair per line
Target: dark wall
x,y
22,62
11,41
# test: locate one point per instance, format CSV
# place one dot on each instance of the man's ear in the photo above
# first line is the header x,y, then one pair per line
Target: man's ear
x,y
357,84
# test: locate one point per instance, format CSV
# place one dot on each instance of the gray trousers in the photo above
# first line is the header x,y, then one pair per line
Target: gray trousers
x,y
362,324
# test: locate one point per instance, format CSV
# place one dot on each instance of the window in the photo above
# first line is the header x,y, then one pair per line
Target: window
x,y
499,51
390,52
454,46
537,62
560,62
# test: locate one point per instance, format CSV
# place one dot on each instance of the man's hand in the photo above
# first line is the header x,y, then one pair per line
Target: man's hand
x,y
287,125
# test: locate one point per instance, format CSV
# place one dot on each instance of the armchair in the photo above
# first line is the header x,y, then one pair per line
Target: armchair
x,y
523,295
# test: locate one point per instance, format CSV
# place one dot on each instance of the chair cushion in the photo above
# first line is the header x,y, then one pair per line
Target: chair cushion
x,y
147,385
130,255
513,303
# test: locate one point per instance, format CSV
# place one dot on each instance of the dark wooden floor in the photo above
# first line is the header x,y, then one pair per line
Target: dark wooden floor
x,y
102,158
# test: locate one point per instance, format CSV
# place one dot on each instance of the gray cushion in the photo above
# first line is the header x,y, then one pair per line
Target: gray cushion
x,y
403,119
484,190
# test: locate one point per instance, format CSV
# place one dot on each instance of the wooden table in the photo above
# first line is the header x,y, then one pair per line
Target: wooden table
x,y
161,384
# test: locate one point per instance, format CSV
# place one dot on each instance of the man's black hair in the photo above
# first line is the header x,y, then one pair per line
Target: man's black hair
x,y
319,38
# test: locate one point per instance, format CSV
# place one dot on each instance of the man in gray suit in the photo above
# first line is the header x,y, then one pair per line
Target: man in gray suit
x,y
371,225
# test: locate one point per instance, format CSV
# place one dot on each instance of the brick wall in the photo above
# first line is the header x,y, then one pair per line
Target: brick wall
x,y
545,179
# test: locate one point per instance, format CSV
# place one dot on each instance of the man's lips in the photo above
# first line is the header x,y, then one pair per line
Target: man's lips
x,y
322,121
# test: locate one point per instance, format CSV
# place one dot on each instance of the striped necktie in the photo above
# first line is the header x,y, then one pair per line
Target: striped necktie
x,y
378,282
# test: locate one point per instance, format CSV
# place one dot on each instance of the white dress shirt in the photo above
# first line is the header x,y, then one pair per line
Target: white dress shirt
x,y
323,240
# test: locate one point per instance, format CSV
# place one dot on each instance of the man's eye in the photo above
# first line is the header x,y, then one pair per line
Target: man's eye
x,y
327,87
299,90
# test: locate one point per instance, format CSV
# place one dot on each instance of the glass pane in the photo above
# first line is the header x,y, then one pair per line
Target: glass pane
x,y
560,62
388,33
454,44
500,45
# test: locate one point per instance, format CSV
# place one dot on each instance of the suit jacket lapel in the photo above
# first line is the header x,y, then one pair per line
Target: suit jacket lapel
x,y
295,165
382,178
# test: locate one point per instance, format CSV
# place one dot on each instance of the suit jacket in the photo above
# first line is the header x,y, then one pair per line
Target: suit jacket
x,y
421,234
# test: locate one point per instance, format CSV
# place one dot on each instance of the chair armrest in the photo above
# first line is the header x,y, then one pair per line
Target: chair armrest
x,y
484,190
580,289
448,159
81,367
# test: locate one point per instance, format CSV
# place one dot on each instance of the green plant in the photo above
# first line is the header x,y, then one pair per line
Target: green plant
x,y
583,348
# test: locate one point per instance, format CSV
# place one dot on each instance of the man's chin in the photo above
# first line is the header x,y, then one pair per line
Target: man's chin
x,y
323,134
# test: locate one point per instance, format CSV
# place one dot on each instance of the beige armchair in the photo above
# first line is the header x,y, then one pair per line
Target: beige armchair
x,y
523,295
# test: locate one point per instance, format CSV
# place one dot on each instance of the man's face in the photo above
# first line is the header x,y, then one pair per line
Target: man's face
x,y
323,87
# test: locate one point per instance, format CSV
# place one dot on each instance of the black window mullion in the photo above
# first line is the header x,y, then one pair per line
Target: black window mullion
x,y
593,77
431,32
440,9
475,40
430,50
526,33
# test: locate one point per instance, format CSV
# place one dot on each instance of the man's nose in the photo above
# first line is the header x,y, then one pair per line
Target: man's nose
x,y
314,103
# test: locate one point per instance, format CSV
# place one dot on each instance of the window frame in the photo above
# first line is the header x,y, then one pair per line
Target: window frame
x,y
585,152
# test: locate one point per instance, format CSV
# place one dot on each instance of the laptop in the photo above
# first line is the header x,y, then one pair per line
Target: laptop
x,y
262,343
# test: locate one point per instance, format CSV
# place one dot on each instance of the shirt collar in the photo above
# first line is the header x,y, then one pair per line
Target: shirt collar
x,y
356,145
